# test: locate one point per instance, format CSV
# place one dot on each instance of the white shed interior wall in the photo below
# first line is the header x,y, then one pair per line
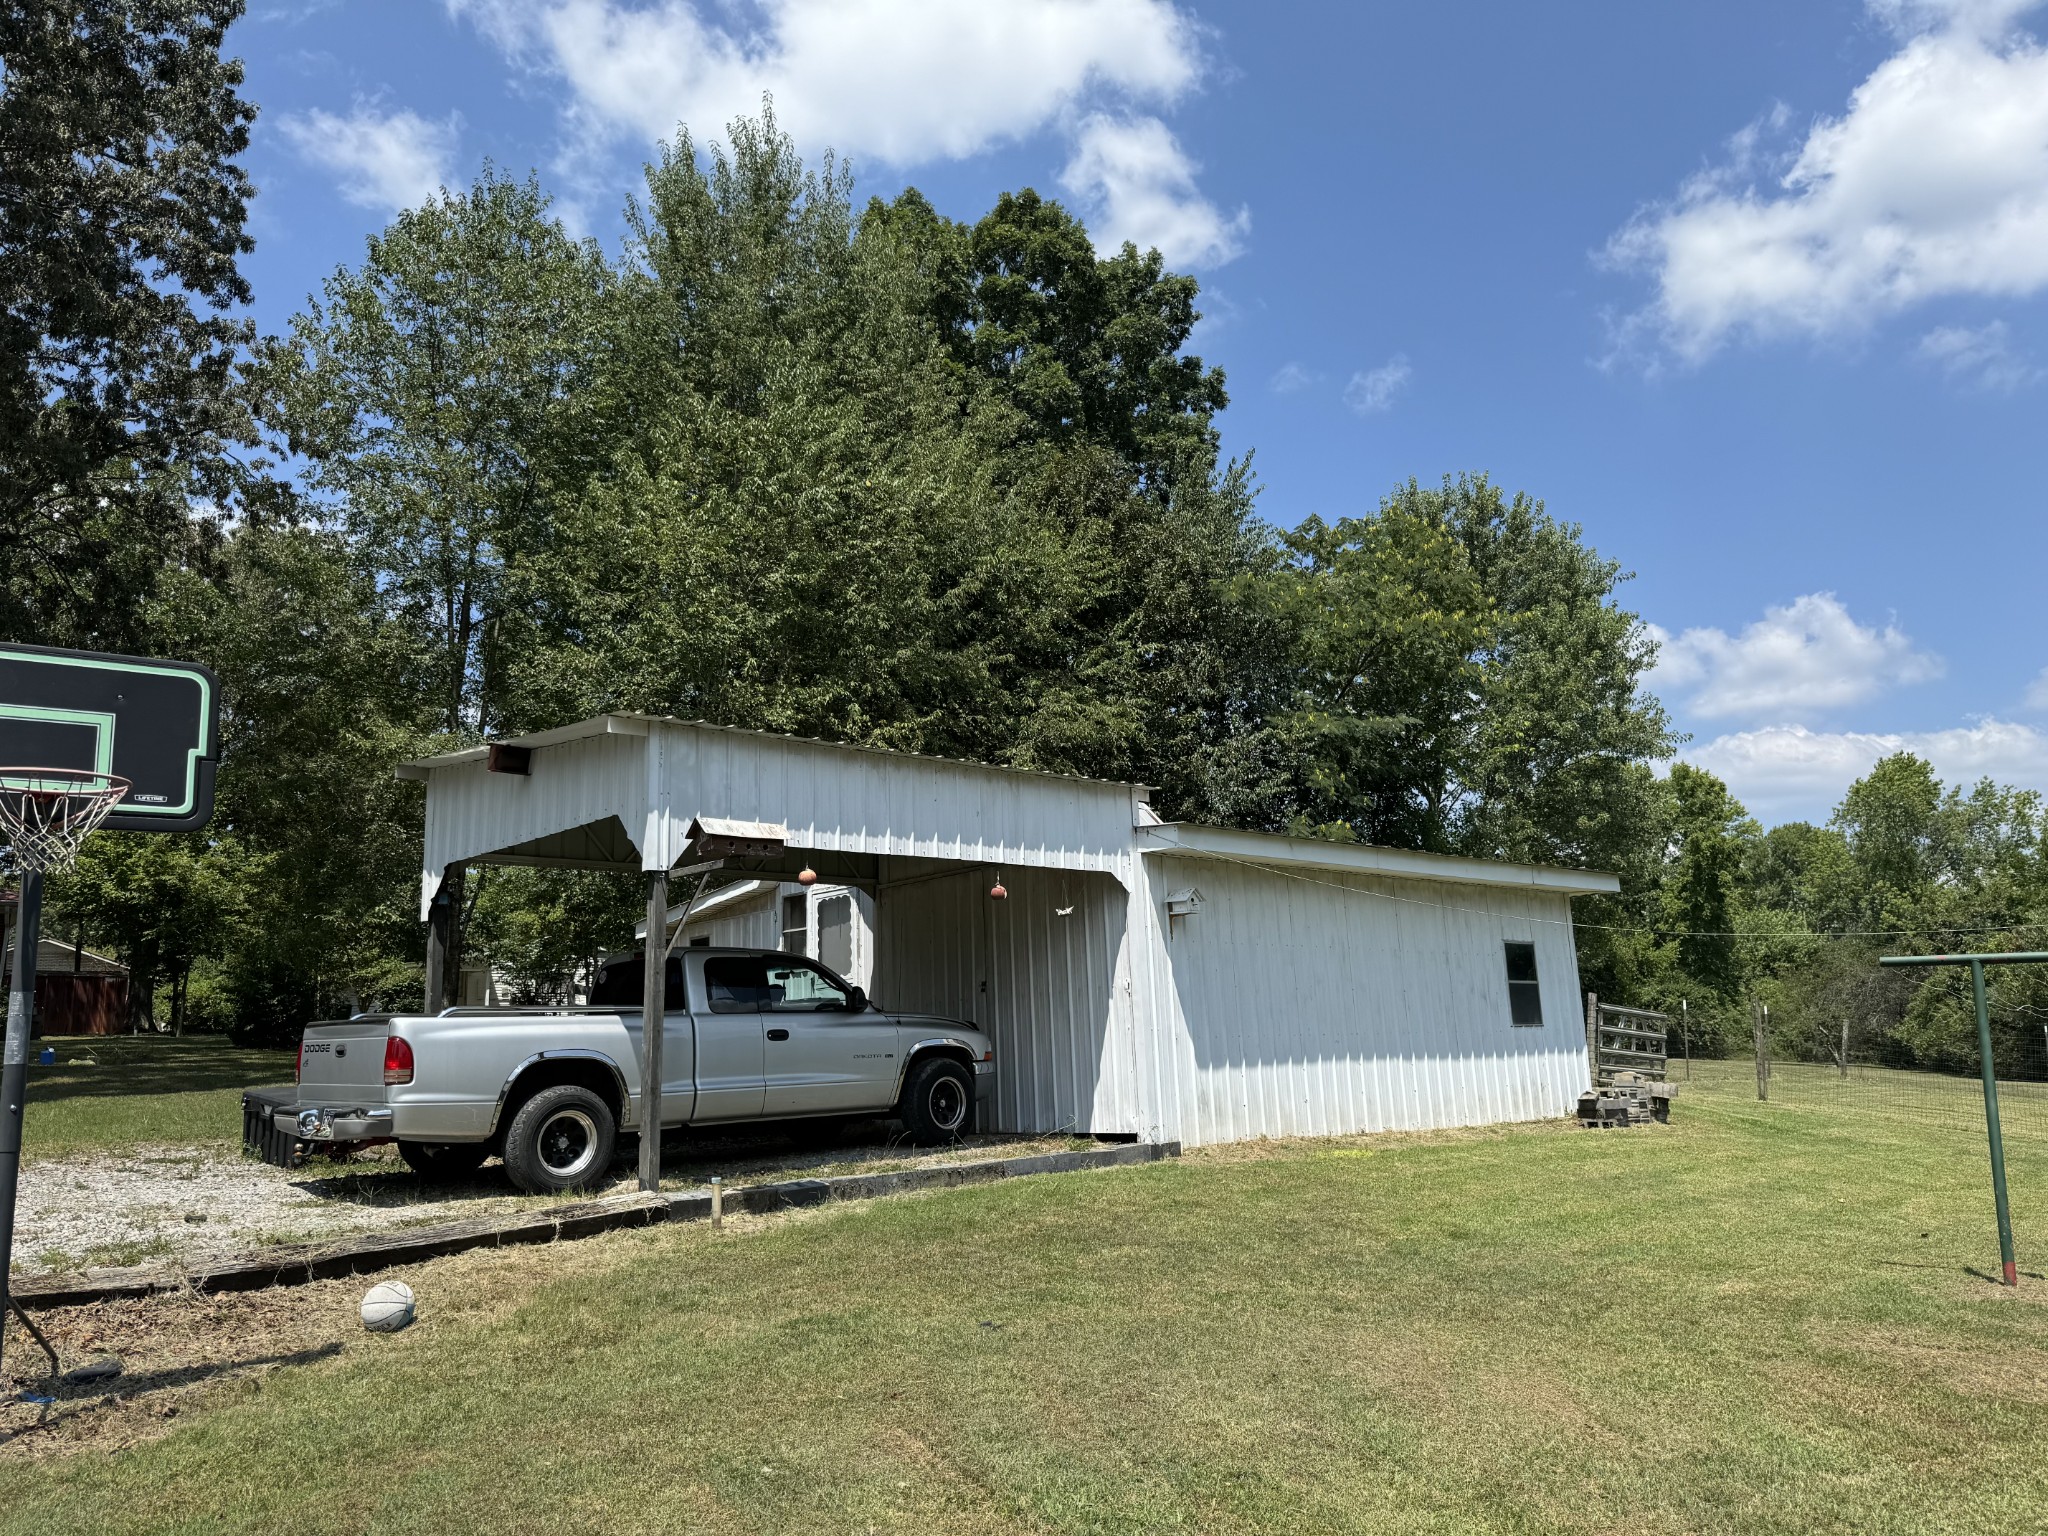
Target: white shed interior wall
x,y
1048,988
1304,1007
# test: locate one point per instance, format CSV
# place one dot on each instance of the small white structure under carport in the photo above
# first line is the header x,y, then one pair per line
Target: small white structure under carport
x,y
1165,981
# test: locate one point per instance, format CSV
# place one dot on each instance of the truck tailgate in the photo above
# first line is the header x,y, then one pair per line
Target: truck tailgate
x,y
344,1063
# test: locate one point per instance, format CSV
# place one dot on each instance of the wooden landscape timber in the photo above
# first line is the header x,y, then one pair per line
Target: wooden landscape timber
x,y
299,1264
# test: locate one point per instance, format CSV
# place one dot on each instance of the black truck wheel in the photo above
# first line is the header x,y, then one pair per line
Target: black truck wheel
x,y
938,1102
443,1160
561,1139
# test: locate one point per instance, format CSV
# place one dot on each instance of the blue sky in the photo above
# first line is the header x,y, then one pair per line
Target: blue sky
x,y
1756,293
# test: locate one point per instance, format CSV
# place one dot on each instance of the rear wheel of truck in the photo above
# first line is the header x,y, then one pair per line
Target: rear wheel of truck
x,y
561,1139
938,1102
443,1160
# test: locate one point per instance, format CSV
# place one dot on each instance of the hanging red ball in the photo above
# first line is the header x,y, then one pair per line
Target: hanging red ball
x,y
808,877
997,893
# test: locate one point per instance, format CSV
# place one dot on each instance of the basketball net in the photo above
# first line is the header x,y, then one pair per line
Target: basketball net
x,y
45,813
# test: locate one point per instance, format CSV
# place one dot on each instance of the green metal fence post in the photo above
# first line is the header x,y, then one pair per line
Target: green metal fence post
x,y
2012,1274
1976,963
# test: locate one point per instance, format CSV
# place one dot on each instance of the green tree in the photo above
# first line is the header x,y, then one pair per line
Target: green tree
x,y
322,695
163,903
546,928
434,395
1712,831
1462,672
1390,619
1889,817
121,222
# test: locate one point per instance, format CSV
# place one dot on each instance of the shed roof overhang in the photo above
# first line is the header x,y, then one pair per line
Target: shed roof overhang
x,y
1279,851
633,724
624,791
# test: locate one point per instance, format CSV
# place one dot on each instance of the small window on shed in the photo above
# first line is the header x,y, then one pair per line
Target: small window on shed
x,y
796,926
1525,994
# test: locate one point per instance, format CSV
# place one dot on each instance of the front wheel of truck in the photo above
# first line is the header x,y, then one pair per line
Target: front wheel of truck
x,y
561,1139
938,1102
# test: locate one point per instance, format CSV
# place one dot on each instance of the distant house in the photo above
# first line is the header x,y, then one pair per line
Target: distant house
x,y
77,991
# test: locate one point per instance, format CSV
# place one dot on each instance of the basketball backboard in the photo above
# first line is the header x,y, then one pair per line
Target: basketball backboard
x,y
154,723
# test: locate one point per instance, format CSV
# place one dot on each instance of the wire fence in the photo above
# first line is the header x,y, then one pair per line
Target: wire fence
x,y
1935,1099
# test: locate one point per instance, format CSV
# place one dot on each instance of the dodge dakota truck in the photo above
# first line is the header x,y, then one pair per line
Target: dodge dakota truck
x,y
750,1035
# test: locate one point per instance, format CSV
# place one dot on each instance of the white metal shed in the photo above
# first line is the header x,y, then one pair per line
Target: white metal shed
x,y
1163,981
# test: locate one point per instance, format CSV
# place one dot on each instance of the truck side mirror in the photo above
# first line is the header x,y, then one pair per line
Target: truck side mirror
x,y
856,1000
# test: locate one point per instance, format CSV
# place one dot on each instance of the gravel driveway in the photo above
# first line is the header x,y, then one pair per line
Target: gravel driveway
x,y
186,1207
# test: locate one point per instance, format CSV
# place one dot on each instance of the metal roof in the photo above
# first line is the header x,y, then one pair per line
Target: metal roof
x,y
633,723
1272,848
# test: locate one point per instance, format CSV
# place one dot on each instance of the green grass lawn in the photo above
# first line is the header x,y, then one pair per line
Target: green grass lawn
x,y
1756,1320
116,1094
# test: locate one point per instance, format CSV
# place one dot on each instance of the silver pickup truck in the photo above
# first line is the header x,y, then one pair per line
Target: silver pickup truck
x,y
752,1035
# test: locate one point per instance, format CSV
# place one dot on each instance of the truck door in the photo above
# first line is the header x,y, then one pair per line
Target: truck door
x,y
821,1056
623,985
726,994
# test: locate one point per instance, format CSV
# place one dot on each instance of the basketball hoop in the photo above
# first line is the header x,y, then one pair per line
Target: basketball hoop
x,y
45,813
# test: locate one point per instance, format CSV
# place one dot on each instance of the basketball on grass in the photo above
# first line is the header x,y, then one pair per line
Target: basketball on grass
x,y
387,1306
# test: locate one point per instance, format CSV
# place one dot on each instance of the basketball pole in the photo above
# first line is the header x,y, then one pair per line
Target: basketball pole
x,y
21,1010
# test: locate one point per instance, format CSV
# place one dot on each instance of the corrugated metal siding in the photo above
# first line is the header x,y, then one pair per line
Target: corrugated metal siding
x,y
1293,1007
867,802
751,924
471,811
828,798
1048,989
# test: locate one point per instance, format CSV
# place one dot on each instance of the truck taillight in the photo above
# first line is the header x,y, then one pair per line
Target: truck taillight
x,y
299,1071
397,1060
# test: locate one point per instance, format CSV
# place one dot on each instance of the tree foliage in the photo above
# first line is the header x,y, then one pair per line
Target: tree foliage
x,y
871,474
121,222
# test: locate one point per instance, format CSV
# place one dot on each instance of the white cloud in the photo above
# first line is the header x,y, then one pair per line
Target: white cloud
x,y
1982,359
1934,182
901,80
1292,379
1136,183
1808,655
384,160
904,82
1788,770
1371,392
1979,18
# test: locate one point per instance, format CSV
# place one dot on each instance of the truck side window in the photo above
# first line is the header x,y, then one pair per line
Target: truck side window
x,y
623,984
797,986
736,983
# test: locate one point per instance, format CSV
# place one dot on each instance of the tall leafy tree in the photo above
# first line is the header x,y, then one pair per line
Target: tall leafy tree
x,y
1712,832
121,224
434,396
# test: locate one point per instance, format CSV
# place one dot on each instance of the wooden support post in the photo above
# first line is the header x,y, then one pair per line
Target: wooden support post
x,y
717,1203
1685,1034
653,1013
1763,1060
1845,1047
440,928
1593,1038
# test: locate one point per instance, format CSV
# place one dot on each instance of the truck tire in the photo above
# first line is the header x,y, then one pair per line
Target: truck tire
x,y
437,1161
561,1139
938,1102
